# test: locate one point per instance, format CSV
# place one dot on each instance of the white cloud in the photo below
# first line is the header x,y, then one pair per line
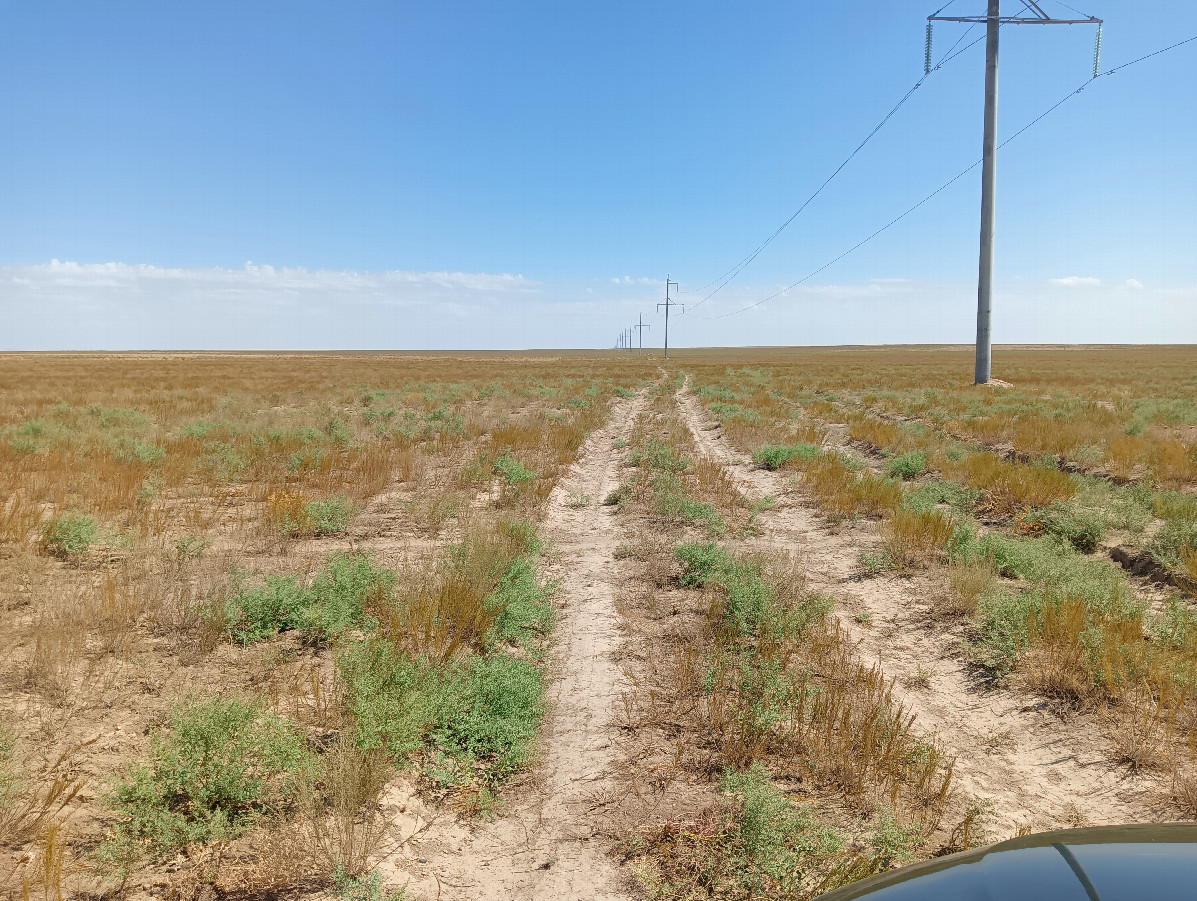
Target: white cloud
x,y
256,277
629,280
68,305
1134,284
1076,281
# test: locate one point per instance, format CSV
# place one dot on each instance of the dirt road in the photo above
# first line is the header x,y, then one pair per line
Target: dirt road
x,y
541,845
1012,751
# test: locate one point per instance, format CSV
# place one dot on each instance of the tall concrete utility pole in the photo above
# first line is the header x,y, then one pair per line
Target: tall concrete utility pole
x,y
993,21
640,327
667,304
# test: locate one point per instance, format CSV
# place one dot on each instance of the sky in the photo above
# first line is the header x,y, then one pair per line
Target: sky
x,y
312,175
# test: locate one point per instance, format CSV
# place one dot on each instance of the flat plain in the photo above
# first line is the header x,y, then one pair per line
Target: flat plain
x,y
743,623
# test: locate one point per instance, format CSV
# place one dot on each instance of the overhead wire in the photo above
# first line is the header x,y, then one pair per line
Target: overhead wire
x,y
723,280
953,180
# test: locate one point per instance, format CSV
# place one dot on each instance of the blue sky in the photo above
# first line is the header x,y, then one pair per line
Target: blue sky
x,y
301,174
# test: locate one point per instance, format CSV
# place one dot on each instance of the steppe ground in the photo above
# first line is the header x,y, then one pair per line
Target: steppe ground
x,y
743,623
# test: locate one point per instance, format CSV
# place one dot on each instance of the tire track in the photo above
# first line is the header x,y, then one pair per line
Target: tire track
x,y
1012,752
544,845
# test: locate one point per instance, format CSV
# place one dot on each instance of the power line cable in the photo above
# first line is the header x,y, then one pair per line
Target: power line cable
x,y
730,274
953,180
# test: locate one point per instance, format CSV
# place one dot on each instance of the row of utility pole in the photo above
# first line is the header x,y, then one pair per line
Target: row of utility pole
x,y
1031,13
626,342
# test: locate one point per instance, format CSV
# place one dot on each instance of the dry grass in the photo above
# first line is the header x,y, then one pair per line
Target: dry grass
x,y
917,539
1012,487
843,493
967,582
193,466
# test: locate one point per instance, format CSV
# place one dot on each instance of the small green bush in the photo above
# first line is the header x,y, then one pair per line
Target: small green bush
x,y
701,563
325,609
659,457
338,432
618,497
1083,529
339,592
256,612
772,844
395,699
774,456
8,776
527,614
329,517
927,497
200,428
513,469
482,714
69,535
493,715
1171,542
908,465
624,392
221,765
367,887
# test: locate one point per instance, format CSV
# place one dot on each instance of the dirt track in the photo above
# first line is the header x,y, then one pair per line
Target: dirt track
x,y
1035,768
540,845
1032,767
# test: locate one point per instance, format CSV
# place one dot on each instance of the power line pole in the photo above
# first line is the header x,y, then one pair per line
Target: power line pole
x,y
640,327
667,304
993,21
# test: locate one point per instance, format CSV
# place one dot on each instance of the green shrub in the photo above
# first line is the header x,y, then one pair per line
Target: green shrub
x,y
624,392
8,776
338,432
200,428
526,616
618,497
512,469
673,502
659,456
69,535
256,612
774,456
331,604
221,765
367,887
701,563
395,699
339,592
493,715
1083,529
908,465
891,841
329,517
1170,543
1056,566
483,714
773,845
757,600
138,451
927,497
305,460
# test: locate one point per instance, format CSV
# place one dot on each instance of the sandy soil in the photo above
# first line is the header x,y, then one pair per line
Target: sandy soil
x,y
543,844
1034,764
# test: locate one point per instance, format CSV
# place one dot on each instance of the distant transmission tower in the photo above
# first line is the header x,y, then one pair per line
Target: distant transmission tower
x,y
640,327
993,21
667,304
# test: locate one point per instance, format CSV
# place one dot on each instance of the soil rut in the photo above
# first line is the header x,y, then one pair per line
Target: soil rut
x,y
540,845
1012,751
